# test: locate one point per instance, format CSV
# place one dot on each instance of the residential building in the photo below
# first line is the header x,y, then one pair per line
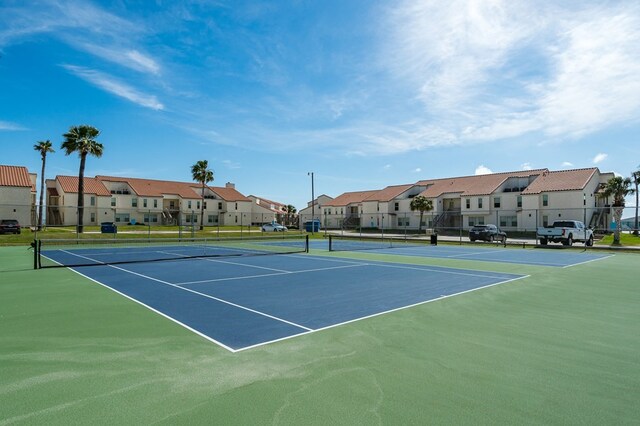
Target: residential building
x,y
519,200
267,211
18,195
133,200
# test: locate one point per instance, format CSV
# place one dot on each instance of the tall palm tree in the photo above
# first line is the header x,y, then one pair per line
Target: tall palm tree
x,y
201,173
635,179
82,139
290,211
422,204
618,188
43,147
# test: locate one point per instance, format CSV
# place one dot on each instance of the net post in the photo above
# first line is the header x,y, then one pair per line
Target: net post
x,y
306,247
330,242
34,246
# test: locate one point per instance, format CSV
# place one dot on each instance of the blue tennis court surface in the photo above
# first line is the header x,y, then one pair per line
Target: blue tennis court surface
x,y
240,303
554,257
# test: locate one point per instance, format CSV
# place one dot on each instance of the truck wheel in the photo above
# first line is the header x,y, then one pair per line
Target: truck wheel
x,y
491,238
589,242
568,241
543,241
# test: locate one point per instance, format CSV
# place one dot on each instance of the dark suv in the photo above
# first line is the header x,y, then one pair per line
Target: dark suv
x,y
487,233
9,226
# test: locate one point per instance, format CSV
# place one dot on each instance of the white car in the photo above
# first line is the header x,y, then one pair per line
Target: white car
x,y
273,227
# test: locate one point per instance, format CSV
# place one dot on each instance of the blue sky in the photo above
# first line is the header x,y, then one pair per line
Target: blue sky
x,y
363,93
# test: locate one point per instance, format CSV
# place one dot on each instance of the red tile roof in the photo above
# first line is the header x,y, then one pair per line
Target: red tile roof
x,y
388,193
472,185
267,204
69,184
186,190
350,198
15,176
563,180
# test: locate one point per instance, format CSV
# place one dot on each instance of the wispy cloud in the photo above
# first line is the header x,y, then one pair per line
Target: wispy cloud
x,y
126,57
526,166
482,170
508,68
599,158
567,164
231,164
112,85
417,170
6,125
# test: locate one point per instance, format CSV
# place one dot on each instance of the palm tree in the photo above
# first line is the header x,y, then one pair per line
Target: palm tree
x,y
290,211
635,179
422,204
618,188
201,173
82,139
43,147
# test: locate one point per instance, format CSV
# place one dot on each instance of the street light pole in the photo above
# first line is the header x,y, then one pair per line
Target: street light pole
x,y
313,197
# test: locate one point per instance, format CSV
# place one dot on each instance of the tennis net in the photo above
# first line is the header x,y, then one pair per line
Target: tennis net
x,y
88,252
355,243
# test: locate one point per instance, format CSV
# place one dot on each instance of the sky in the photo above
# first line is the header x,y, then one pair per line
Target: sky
x,y
363,93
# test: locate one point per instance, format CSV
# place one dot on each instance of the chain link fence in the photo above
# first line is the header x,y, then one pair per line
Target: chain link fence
x,y
519,222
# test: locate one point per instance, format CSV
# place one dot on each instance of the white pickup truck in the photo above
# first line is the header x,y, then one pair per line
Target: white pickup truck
x,y
565,232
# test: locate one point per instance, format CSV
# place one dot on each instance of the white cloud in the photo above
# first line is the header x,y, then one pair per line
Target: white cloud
x,y
417,170
482,170
129,58
111,85
507,68
567,164
386,167
599,158
231,164
6,125
526,166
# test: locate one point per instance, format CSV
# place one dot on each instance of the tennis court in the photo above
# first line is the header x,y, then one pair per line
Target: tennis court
x,y
557,347
248,301
552,256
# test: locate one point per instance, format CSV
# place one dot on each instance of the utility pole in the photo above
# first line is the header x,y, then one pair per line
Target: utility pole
x,y
313,198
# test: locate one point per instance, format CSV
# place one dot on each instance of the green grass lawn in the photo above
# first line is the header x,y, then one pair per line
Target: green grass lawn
x,y
626,240
559,347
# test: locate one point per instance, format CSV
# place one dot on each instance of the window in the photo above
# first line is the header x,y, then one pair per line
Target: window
x,y
545,221
236,209
144,202
198,205
519,201
378,207
93,217
204,205
189,204
545,200
220,206
122,217
479,203
151,218
192,218
468,203
93,202
496,202
212,218
396,206
509,221
134,202
155,203
113,201
403,221
476,220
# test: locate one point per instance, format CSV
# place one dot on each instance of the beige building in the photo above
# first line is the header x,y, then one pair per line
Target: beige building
x,y
514,201
18,195
156,202
267,211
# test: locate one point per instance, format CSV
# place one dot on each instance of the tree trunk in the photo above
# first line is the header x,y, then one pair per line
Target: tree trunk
x,y
83,159
202,209
617,217
635,226
420,224
44,160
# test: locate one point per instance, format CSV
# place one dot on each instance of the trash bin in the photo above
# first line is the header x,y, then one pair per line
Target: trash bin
x,y
312,225
434,239
108,228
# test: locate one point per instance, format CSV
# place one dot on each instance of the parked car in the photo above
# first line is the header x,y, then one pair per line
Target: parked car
x,y
487,233
9,226
273,227
565,232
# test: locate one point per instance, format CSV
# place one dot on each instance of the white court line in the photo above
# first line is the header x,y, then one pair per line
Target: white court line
x,y
381,313
233,263
418,268
475,253
158,312
83,257
588,261
210,297
270,275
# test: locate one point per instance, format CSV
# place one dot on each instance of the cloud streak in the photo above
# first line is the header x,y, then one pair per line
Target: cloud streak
x,y
112,85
